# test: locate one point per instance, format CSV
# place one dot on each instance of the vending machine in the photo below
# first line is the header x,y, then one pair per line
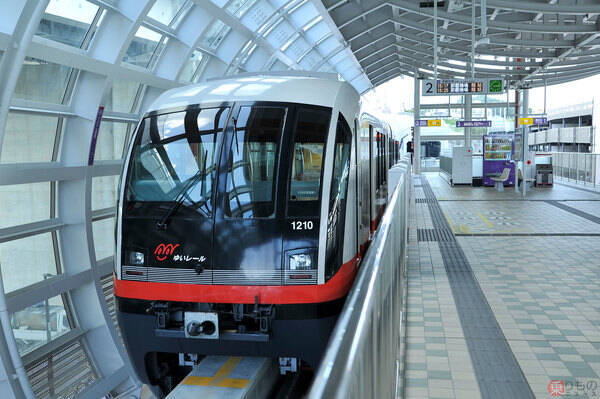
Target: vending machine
x,y
498,155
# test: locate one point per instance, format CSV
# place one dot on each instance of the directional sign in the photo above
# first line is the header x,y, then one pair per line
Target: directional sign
x,y
473,123
447,87
533,121
428,122
525,121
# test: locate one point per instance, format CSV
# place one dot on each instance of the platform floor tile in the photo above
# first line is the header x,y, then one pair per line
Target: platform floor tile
x,y
534,217
543,290
437,359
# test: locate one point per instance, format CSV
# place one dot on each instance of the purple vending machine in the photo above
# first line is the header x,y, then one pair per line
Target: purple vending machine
x,y
497,155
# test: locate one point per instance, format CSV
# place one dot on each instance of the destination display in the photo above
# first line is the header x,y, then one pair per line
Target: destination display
x,y
441,87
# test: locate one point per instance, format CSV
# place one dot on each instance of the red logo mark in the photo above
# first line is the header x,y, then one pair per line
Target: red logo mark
x,y
556,388
164,250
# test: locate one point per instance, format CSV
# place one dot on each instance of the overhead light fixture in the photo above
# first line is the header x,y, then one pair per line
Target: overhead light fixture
x,y
483,40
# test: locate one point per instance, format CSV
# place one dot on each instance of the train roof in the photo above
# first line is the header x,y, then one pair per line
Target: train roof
x,y
316,90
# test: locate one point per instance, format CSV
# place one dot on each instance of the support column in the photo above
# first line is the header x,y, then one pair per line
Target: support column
x,y
517,114
527,169
468,117
417,139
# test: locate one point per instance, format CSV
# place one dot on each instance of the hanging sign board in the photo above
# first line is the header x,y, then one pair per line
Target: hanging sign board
x,y
473,123
448,87
525,121
428,122
533,121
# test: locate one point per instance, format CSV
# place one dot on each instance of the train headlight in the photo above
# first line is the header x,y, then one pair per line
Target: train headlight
x,y
300,261
136,258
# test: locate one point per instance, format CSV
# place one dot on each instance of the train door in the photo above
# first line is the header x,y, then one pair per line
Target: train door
x,y
365,185
247,239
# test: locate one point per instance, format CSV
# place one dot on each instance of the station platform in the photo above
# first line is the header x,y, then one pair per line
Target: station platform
x,y
503,297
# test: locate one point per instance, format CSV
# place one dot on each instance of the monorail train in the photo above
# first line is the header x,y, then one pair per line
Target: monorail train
x,y
245,207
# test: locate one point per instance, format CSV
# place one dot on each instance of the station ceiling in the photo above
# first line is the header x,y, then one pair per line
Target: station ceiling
x,y
530,43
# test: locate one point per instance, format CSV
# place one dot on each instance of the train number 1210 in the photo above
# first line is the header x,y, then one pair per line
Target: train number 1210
x,y
302,225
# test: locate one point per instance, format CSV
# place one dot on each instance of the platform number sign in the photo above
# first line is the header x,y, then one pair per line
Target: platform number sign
x,y
428,88
448,87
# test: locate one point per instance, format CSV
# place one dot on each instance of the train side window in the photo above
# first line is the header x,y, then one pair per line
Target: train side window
x,y
337,198
252,167
310,134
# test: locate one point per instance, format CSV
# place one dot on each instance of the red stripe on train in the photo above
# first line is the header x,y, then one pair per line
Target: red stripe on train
x,y
375,222
335,288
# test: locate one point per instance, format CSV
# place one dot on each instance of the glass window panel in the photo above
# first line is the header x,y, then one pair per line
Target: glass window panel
x,y
142,47
165,10
122,96
111,139
281,34
26,261
104,238
28,138
24,203
157,52
310,135
196,59
39,324
252,162
317,31
257,16
67,21
104,192
239,7
181,14
42,81
297,49
327,46
214,35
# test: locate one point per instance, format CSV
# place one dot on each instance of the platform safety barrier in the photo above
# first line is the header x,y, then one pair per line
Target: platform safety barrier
x,y
361,359
577,167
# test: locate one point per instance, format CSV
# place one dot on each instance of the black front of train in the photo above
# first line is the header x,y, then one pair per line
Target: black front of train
x,y
221,212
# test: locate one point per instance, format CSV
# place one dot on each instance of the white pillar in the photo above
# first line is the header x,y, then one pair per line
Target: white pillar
x,y
468,117
417,138
528,170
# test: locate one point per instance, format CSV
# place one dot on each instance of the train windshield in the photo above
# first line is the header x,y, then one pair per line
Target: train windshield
x,y
252,166
172,149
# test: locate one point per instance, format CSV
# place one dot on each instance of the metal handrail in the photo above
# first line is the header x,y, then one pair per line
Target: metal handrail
x,y
360,361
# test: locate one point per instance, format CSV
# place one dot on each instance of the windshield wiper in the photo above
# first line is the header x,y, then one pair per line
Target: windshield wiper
x,y
191,183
